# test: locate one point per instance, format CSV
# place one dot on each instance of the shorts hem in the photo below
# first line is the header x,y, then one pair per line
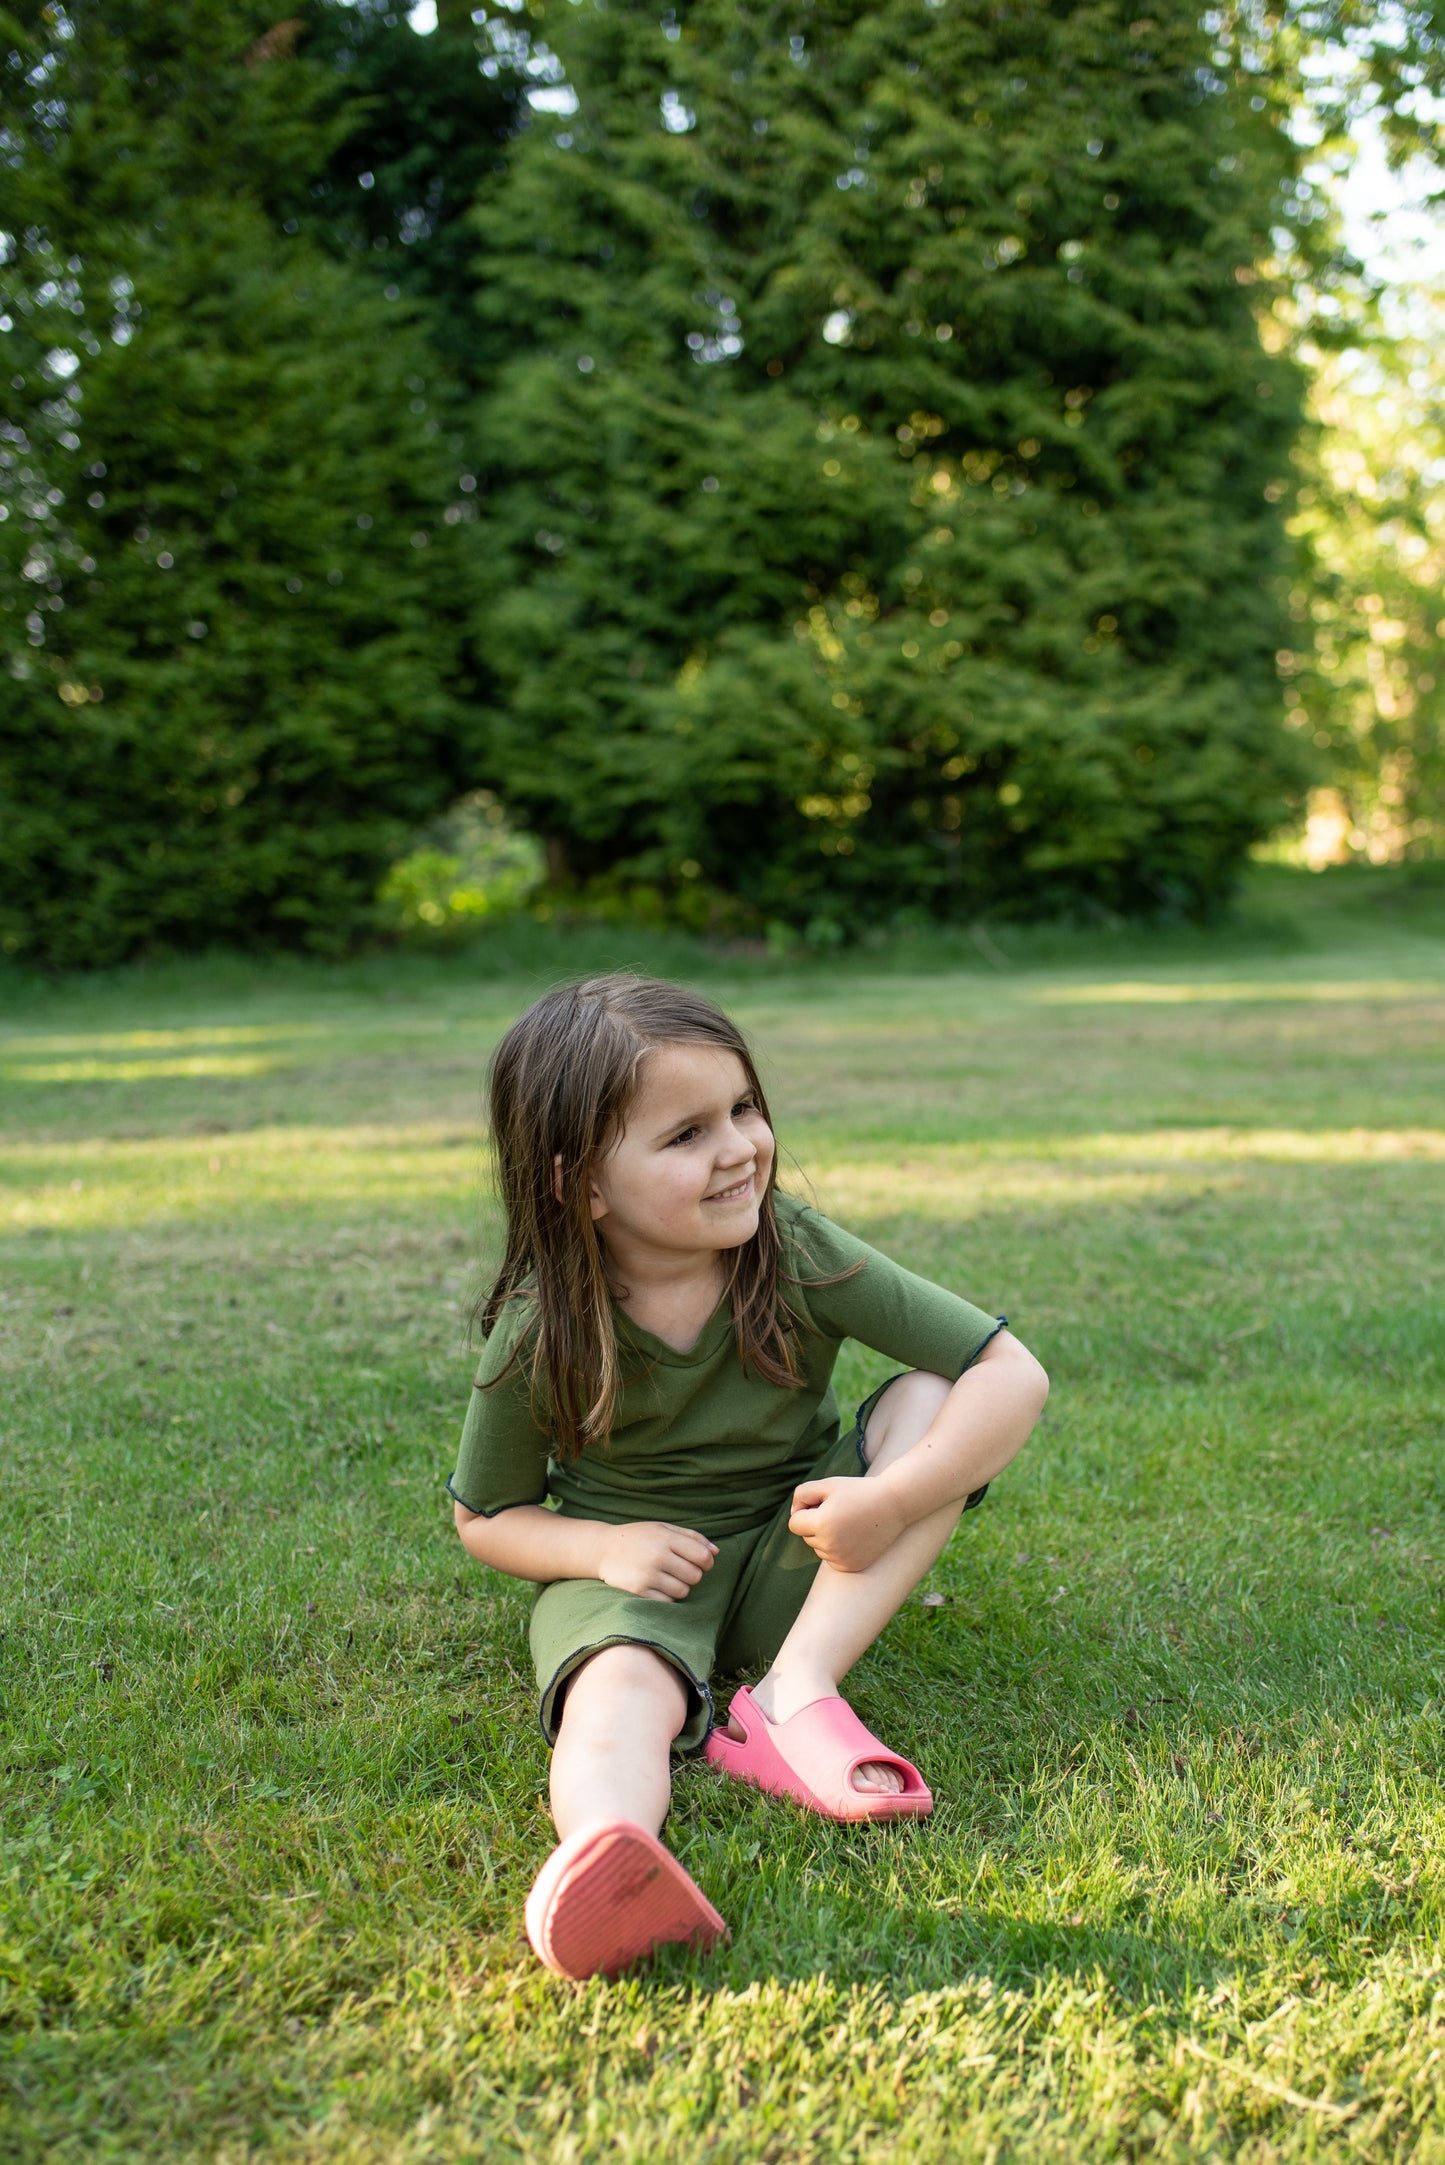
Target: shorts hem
x,y
574,1661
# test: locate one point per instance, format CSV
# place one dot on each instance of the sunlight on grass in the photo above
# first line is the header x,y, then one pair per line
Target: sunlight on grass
x,y
930,1189
1321,1146
99,1183
101,1041
958,1182
129,1183
201,1063
1172,993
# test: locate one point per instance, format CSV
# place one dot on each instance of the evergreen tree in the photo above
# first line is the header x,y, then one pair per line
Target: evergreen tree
x,y
426,127
230,514
890,473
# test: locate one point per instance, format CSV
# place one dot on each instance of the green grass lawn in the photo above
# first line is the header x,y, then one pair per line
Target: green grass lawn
x,y
272,1791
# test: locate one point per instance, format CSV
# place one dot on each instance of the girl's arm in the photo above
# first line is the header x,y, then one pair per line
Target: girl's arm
x,y
985,1421
659,1561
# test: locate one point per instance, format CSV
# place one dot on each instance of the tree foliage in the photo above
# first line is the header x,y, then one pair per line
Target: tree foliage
x,y
423,131
226,677
1369,670
1367,667
879,472
1343,58
888,466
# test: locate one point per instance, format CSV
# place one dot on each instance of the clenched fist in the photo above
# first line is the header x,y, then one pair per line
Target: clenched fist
x,y
651,1558
846,1521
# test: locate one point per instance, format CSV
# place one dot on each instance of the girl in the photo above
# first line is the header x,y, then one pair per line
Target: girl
x,y
659,1348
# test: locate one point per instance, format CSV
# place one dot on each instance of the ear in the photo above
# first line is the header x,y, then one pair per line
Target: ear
x,y
594,1193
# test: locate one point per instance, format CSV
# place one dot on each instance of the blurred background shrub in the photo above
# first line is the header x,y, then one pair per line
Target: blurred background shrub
x,y
811,470
469,867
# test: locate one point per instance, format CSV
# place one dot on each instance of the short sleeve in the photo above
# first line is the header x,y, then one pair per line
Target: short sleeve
x,y
503,1454
898,1314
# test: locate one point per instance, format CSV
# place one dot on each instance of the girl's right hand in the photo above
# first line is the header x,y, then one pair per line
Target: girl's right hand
x,y
651,1558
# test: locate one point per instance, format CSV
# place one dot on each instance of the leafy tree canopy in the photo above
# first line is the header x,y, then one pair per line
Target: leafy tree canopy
x,y
817,461
229,513
889,468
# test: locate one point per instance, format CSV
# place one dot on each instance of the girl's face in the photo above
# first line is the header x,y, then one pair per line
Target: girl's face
x,y
691,1166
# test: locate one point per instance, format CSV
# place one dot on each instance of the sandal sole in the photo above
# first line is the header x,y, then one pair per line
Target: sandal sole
x,y
608,1896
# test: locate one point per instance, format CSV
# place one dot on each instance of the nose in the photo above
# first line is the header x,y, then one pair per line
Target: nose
x,y
735,1148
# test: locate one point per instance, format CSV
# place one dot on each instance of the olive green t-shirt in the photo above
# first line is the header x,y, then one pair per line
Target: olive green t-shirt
x,y
697,1441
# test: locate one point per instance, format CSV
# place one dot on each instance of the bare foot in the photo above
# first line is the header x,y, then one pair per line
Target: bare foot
x,y
874,1779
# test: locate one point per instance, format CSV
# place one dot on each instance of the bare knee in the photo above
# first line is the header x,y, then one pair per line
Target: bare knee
x,y
622,1692
905,1412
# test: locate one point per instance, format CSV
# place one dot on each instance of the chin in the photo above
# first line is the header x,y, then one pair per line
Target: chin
x,y
738,1236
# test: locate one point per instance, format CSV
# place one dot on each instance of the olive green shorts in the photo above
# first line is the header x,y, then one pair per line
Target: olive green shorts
x,y
736,1617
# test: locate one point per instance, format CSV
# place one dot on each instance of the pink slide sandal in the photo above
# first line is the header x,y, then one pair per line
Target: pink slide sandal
x,y
608,1895
811,1759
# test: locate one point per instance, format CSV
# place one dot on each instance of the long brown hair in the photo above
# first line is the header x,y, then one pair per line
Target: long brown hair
x,y
561,1082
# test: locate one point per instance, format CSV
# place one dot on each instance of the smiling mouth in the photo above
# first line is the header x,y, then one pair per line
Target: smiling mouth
x,y
736,1193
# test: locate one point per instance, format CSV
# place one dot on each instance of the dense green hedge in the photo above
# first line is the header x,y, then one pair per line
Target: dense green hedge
x,y
228,685
238,713
833,474
890,469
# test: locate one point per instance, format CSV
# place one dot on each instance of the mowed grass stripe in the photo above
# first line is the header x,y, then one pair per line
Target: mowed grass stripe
x,y
97,1182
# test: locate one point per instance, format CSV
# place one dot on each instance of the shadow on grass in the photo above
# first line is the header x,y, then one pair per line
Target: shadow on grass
x,y
1120,1847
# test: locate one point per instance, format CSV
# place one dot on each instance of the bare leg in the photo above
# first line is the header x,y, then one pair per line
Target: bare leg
x,y
608,1896
846,1610
622,1710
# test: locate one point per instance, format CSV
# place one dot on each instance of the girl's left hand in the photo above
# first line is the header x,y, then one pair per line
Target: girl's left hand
x,y
845,1521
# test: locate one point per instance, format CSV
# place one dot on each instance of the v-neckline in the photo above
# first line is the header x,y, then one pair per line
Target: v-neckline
x,y
717,1327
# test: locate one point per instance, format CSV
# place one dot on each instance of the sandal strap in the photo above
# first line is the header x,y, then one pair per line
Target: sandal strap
x,y
825,1741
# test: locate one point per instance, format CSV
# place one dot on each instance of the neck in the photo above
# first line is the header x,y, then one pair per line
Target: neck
x,y
673,1297
633,1269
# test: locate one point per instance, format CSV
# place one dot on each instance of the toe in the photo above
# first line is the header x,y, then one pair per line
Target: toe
x,y
877,1780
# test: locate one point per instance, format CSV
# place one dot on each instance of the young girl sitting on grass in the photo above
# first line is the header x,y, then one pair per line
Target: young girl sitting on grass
x,y
659,1347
